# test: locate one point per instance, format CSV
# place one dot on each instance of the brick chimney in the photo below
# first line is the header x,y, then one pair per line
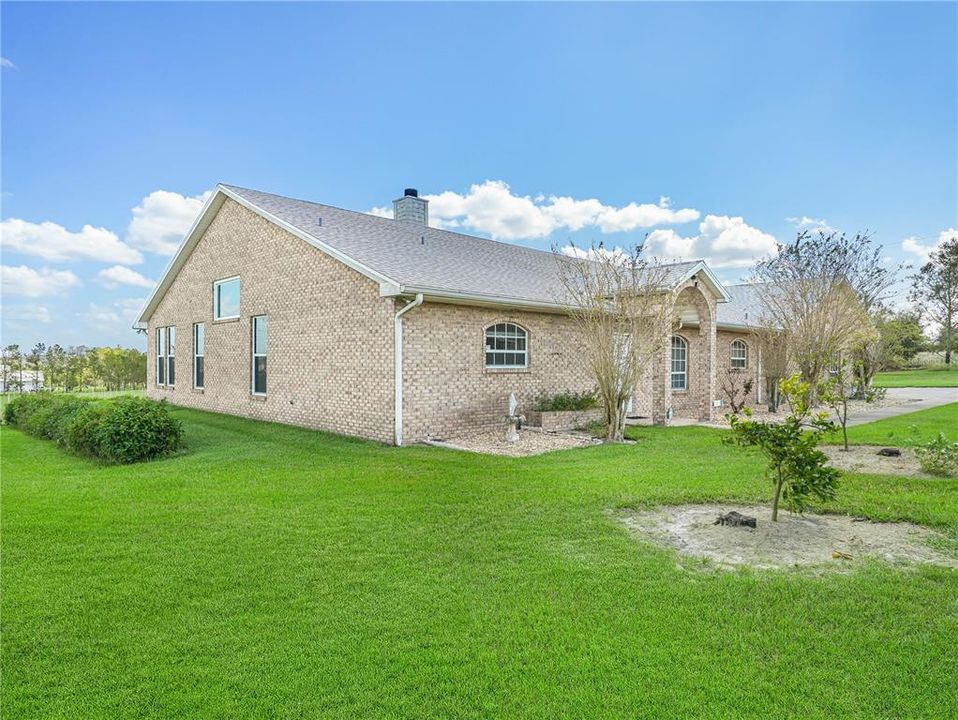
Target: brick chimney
x,y
411,208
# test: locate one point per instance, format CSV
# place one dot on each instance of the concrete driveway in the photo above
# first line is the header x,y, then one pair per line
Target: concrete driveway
x,y
911,399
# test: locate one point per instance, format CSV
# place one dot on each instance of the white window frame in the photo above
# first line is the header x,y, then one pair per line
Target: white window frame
x,y
197,355
171,355
160,356
216,297
504,335
738,343
682,345
253,354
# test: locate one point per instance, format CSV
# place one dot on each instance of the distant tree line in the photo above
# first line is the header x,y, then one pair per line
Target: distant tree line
x,y
72,368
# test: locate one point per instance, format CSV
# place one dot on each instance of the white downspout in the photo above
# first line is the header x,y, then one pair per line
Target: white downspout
x,y
397,366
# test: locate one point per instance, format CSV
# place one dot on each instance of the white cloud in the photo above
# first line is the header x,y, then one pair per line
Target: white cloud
x,y
131,304
121,275
54,242
101,315
120,312
4,62
617,254
733,243
669,245
723,241
492,208
809,223
22,280
25,313
916,247
162,219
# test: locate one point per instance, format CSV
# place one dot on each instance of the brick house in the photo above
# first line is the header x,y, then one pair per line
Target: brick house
x,y
295,312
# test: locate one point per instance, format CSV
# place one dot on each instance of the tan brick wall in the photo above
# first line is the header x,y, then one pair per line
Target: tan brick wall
x,y
723,355
447,389
330,335
696,400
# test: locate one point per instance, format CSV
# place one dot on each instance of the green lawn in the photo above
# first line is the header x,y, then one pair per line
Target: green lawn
x,y
911,429
273,572
923,377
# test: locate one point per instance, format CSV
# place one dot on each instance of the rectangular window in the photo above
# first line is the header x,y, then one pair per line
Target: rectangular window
x,y
226,299
160,356
199,352
680,364
258,368
170,351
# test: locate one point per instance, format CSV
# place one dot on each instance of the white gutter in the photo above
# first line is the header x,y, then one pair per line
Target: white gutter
x,y
397,367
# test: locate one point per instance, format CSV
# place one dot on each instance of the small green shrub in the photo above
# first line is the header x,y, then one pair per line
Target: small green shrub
x,y
134,428
82,435
566,401
120,430
938,456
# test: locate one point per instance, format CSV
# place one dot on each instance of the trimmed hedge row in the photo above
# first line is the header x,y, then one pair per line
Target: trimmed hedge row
x,y
124,429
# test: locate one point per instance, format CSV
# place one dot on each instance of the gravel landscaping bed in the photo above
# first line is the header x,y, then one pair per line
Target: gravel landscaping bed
x,y
795,540
530,442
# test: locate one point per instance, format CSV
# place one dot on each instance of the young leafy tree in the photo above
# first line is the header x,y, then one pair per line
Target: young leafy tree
x,y
54,365
625,309
798,469
817,290
934,292
6,366
835,391
35,359
14,359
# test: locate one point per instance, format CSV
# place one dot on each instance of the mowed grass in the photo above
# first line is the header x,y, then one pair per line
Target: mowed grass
x,y
909,429
943,376
270,571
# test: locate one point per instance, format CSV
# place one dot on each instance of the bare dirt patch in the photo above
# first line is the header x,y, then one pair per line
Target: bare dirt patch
x,y
530,442
795,540
865,459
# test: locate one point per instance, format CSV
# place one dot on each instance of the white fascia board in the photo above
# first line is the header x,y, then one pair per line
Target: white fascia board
x,y
314,241
202,223
454,296
199,226
701,267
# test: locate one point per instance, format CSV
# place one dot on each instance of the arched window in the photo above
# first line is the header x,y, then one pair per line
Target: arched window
x,y
680,363
506,346
738,354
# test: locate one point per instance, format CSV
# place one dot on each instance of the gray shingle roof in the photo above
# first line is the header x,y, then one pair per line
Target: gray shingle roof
x,y
425,257
743,309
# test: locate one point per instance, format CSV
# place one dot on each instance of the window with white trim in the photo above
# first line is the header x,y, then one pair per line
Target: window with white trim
x,y
199,352
738,355
226,299
258,354
506,346
161,356
170,352
680,363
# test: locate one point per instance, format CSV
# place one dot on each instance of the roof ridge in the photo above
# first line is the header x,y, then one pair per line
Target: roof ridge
x,y
430,228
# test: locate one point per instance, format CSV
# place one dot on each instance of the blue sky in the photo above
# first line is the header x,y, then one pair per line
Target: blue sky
x,y
706,125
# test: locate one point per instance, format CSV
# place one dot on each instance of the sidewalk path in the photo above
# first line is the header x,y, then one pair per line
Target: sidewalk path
x,y
915,399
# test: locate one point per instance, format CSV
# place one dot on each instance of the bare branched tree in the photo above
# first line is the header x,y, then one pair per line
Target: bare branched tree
x,y
818,290
624,306
773,354
737,387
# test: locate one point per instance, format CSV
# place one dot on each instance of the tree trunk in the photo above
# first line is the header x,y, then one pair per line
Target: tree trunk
x,y
778,494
